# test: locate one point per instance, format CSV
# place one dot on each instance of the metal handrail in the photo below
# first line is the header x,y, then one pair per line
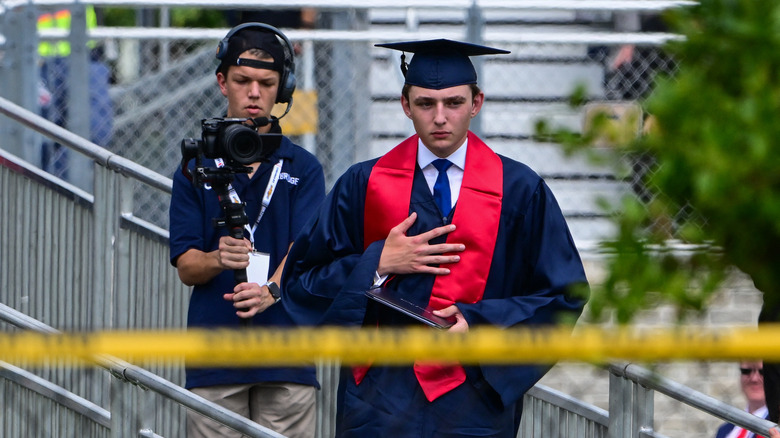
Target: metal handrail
x,y
139,376
168,33
55,392
692,397
212,34
597,5
100,155
569,403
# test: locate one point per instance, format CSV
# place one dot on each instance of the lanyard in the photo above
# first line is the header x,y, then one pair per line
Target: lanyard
x,y
231,191
269,192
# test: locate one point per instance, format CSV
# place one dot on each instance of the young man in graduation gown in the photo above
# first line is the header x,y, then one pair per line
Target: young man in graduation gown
x,y
482,240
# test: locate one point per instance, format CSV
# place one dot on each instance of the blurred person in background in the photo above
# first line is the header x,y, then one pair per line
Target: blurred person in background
x,y
751,380
54,88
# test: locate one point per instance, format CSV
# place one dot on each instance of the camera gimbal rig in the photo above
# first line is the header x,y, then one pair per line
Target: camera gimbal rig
x,y
238,142
234,218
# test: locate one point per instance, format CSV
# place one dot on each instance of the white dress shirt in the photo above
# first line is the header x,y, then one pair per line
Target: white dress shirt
x,y
425,160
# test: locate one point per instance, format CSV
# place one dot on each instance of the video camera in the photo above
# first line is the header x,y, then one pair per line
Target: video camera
x,y
235,140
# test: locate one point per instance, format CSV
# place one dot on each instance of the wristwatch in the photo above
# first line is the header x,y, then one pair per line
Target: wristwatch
x,y
275,292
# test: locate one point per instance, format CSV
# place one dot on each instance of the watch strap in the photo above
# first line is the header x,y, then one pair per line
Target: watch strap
x,y
273,288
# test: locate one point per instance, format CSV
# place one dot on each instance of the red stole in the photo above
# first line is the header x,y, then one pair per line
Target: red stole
x,y
477,215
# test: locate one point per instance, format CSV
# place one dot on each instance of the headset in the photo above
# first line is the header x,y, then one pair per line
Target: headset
x,y
287,82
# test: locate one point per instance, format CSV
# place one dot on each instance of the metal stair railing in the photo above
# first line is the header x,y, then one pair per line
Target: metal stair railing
x,y
551,413
78,413
129,373
631,403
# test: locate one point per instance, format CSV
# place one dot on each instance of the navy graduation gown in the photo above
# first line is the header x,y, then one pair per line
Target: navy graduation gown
x,y
534,263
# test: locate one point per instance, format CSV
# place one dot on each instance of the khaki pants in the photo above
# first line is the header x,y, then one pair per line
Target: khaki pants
x,y
285,408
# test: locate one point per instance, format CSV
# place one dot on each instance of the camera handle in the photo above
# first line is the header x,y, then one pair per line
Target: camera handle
x,y
234,218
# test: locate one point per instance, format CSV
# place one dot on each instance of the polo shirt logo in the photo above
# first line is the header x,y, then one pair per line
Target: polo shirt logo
x,y
290,179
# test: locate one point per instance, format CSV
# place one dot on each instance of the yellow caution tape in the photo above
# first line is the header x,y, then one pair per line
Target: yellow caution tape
x,y
261,346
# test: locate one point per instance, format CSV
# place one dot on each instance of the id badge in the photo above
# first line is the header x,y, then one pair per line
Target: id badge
x,y
257,271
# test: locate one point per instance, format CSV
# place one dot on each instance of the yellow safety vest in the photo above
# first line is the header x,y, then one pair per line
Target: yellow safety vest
x,y
61,20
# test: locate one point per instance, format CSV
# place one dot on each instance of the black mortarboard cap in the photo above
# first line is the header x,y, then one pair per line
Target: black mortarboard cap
x,y
441,63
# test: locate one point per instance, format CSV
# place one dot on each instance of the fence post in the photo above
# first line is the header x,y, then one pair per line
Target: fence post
x,y
80,168
124,307
122,421
474,28
19,79
347,134
305,71
617,405
644,410
105,232
631,405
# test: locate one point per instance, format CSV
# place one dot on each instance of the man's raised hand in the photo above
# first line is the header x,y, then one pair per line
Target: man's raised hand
x,y
404,254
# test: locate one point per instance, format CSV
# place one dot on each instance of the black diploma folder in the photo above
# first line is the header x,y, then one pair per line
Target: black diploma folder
x,y
391,299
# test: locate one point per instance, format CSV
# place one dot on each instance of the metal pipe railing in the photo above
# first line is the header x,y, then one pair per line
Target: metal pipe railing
x,y
692,397
530,37
597,5
569,403
57,393
139,376
100,155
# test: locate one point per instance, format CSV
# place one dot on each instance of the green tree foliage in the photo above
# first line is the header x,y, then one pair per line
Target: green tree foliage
x,y
117,17
193,17
180,17
716,166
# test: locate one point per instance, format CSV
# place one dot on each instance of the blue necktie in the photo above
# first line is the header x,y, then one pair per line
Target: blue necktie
x,y
441,189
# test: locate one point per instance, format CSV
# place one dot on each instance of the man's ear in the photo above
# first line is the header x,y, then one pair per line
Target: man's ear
x,y
222,82
405,105
479,99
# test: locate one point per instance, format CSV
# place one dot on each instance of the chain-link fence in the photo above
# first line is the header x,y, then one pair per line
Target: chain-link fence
x,y
149,92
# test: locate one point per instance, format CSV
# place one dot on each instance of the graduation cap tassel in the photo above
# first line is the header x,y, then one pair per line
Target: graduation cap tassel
x,y
404,66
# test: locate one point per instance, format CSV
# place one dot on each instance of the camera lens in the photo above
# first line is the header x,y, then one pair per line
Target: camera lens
x,y
242,144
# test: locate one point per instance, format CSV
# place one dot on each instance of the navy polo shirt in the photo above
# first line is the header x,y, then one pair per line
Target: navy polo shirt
x,y
298,194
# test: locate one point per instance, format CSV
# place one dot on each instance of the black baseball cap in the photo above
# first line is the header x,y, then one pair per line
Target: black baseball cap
x,y
253,38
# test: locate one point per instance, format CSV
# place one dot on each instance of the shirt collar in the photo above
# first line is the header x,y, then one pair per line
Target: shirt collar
x,y
425,157
761,412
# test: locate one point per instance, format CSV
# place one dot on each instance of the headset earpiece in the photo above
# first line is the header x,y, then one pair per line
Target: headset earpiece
x,y
287,86
287,79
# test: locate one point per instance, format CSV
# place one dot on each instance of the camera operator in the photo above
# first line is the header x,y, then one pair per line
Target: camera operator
x,y
278,193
